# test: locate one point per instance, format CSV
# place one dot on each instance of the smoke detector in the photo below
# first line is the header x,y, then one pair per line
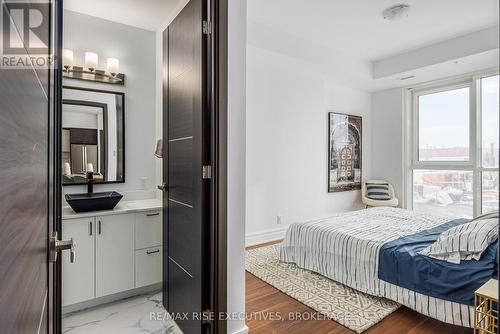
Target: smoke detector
x,y
395,13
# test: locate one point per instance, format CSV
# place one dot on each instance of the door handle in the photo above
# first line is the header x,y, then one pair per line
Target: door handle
x,y
163,186
57,246
152,252
100,227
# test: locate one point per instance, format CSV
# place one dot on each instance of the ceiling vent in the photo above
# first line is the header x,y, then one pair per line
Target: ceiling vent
x,y
397,12
407,78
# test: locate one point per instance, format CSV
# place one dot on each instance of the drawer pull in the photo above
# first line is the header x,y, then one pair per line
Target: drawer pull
x,y
153,214
152,252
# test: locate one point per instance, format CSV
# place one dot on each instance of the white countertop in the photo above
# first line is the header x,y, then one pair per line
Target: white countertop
x,y
122,207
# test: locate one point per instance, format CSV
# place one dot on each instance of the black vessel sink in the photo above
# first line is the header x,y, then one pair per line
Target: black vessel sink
x,y
93,201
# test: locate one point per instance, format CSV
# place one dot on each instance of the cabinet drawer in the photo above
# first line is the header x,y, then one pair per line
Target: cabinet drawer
x,y
148,266
147,229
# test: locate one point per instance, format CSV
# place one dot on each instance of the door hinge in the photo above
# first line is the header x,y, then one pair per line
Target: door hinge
x,y
207,27
207,172
206,317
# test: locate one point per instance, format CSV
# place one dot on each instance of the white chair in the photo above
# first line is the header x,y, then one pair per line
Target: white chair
x,y
392,202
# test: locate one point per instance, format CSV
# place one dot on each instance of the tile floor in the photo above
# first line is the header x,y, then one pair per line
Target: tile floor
x,y
129,316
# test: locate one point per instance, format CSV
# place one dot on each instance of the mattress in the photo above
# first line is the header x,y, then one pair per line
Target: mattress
x,y
346,247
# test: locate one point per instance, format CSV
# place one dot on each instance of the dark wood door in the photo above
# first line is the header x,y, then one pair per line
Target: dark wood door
x,y
27,206
187,150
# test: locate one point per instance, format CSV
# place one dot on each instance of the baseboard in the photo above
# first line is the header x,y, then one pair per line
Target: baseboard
x,y
256,238
111,298
243,330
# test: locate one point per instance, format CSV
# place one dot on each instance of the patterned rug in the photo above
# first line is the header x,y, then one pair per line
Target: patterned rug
x,y
350,308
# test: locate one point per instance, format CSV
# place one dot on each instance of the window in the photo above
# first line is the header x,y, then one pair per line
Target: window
x,y
489,129
453,162
444,126
443,191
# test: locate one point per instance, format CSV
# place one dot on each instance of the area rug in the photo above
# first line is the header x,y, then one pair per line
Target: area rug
x,y
350,308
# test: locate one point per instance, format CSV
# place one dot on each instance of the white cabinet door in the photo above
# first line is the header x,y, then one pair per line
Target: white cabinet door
x,y
78,277
147,229
147,266
114,254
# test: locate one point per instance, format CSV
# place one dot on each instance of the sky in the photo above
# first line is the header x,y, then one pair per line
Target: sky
x,y
444,116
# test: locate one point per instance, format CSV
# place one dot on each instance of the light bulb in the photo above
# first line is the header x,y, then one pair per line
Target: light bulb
x,y
113,66
67,58
91,60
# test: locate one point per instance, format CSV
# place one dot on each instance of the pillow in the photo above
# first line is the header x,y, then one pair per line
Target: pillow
x,y
464,242
493,214
378,191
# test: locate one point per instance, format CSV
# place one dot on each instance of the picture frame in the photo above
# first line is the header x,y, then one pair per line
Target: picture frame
x,y
345,133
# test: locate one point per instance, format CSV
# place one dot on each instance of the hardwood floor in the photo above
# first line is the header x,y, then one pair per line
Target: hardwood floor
x,y
264,300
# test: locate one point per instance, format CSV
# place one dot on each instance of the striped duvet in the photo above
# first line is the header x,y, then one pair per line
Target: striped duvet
x,y
345,248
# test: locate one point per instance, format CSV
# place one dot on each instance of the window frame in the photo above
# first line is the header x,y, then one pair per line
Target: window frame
x,y
411,122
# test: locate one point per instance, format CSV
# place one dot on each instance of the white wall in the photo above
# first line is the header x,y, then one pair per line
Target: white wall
x,y
387,138
288,102
236,164
135,48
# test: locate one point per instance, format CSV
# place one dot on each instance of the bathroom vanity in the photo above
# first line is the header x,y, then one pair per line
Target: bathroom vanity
x,y
118,253
118,249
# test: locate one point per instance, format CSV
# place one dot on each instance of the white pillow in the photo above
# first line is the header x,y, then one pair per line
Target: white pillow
x,y
464,242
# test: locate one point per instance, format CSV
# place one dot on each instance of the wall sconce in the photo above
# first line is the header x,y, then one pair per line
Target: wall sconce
x,y
91,72
159,149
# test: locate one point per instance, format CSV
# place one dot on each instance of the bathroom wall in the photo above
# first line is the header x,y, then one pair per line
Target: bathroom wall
x,y
135,48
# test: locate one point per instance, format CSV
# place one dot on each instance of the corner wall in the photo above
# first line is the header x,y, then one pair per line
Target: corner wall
x,y
288,102
387,139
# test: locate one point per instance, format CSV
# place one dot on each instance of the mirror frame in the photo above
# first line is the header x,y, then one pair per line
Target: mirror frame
x,y
81,102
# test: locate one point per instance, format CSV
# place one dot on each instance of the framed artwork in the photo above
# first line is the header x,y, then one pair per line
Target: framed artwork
x,y
344,152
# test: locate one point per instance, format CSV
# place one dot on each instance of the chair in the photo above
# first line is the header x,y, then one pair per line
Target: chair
x,y
392,202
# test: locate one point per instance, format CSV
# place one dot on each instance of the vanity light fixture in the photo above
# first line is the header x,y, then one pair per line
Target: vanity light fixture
x,y
91,72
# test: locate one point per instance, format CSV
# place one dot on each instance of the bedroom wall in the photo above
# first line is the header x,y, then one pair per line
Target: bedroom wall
x,y
135,48
288,101
387,138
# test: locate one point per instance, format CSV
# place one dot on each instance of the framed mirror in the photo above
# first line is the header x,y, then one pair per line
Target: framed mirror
x,y
93,135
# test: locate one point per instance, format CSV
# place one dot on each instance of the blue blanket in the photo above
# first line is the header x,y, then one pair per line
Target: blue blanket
x,y
401,265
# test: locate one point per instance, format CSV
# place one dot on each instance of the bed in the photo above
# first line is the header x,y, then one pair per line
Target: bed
x,y
375,251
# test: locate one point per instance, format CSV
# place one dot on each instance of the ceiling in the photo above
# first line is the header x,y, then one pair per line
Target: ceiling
x,y
343,38
145,14
358,28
